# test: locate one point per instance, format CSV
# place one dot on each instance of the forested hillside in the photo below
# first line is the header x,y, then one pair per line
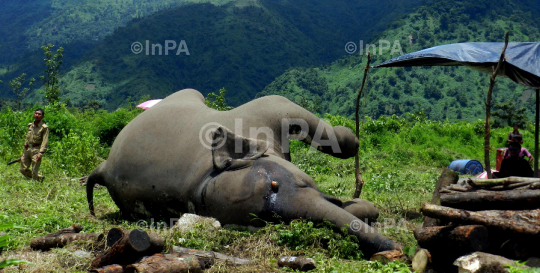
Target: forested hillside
x,y
242,46
28,25
454,93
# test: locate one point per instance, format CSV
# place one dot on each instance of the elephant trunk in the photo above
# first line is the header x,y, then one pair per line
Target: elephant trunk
x,y
369,239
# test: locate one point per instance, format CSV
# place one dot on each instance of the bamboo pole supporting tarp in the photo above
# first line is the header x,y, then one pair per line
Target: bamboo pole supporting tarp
x,y
492,82
358,174
536,133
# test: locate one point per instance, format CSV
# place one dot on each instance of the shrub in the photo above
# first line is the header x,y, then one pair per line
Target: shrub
x,y
12,132
301,234
76,153
108,125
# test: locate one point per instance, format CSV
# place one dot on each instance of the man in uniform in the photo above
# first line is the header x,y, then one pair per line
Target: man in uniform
x,y
37,139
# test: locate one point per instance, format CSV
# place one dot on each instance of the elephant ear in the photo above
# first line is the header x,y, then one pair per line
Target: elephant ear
x,y
234,151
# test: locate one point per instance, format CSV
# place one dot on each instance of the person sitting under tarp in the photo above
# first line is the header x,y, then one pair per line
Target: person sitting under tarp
x,y
523,152
514,165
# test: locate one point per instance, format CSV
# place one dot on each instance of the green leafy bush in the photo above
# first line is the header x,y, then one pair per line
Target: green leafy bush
x,y
77,153
206,237
108,125
60,121
217,101
4,242
302,234
12,132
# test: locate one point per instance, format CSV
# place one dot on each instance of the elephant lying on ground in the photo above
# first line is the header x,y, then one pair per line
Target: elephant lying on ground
x,y
182,156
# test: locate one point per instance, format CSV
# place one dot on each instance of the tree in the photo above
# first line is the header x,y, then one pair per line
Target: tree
x,y
16,85
507,113
217,101
50,80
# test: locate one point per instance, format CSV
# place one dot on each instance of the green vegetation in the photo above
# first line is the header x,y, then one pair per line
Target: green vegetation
x,y
443,93
50,80
401,158
16,84
217,101
507,113
31,24
516,268
4,242
241,46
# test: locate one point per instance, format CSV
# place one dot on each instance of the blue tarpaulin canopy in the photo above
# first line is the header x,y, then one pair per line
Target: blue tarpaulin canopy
x,y
521,65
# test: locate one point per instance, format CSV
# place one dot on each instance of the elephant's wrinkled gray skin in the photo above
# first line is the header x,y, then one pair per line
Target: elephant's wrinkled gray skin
x,y
158,167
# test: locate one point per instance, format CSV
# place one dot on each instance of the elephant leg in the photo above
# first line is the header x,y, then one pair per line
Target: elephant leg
x,y
362,209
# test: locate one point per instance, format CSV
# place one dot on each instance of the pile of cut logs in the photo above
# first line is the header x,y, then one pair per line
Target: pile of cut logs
x,y
496,216
141,251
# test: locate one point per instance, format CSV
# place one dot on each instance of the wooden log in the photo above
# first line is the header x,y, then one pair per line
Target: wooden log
x,y
75,228
127,250
462,239
521,185
448,243
514,246
297,263
166,263
388,256
208,258
456,188
116,234
526,222
114,268
157,244
483,262
486,183
493,200
421,260
447,178
47,242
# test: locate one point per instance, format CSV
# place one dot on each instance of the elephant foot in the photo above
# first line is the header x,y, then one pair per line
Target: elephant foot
x,y
362,209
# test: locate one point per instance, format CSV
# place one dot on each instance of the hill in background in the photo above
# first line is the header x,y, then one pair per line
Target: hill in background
x,y
29,24
453,93
241,45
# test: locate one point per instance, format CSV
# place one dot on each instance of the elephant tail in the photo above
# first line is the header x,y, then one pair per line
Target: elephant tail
x,y
96,177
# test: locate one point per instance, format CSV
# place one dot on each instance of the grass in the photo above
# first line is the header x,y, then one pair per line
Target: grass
x,y
401,159
60,201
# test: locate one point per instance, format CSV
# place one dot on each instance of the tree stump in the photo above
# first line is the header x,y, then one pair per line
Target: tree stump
x,y
448,177
132,246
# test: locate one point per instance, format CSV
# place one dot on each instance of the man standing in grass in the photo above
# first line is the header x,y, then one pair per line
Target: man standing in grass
x,y
37,140
515,133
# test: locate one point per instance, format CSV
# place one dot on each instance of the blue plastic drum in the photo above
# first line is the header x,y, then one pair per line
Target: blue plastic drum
x,y
466,166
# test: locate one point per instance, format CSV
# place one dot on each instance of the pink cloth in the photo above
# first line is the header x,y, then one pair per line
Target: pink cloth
x,y
484,174
523,153
147,104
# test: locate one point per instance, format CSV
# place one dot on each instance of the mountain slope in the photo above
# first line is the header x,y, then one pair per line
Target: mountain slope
x,y
241,46
442,92
28,25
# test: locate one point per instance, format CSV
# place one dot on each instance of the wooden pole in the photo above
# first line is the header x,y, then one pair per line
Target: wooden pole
x,y
536,134
488,107
358,174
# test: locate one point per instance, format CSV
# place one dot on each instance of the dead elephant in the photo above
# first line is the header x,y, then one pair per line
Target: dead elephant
x,y
181,156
